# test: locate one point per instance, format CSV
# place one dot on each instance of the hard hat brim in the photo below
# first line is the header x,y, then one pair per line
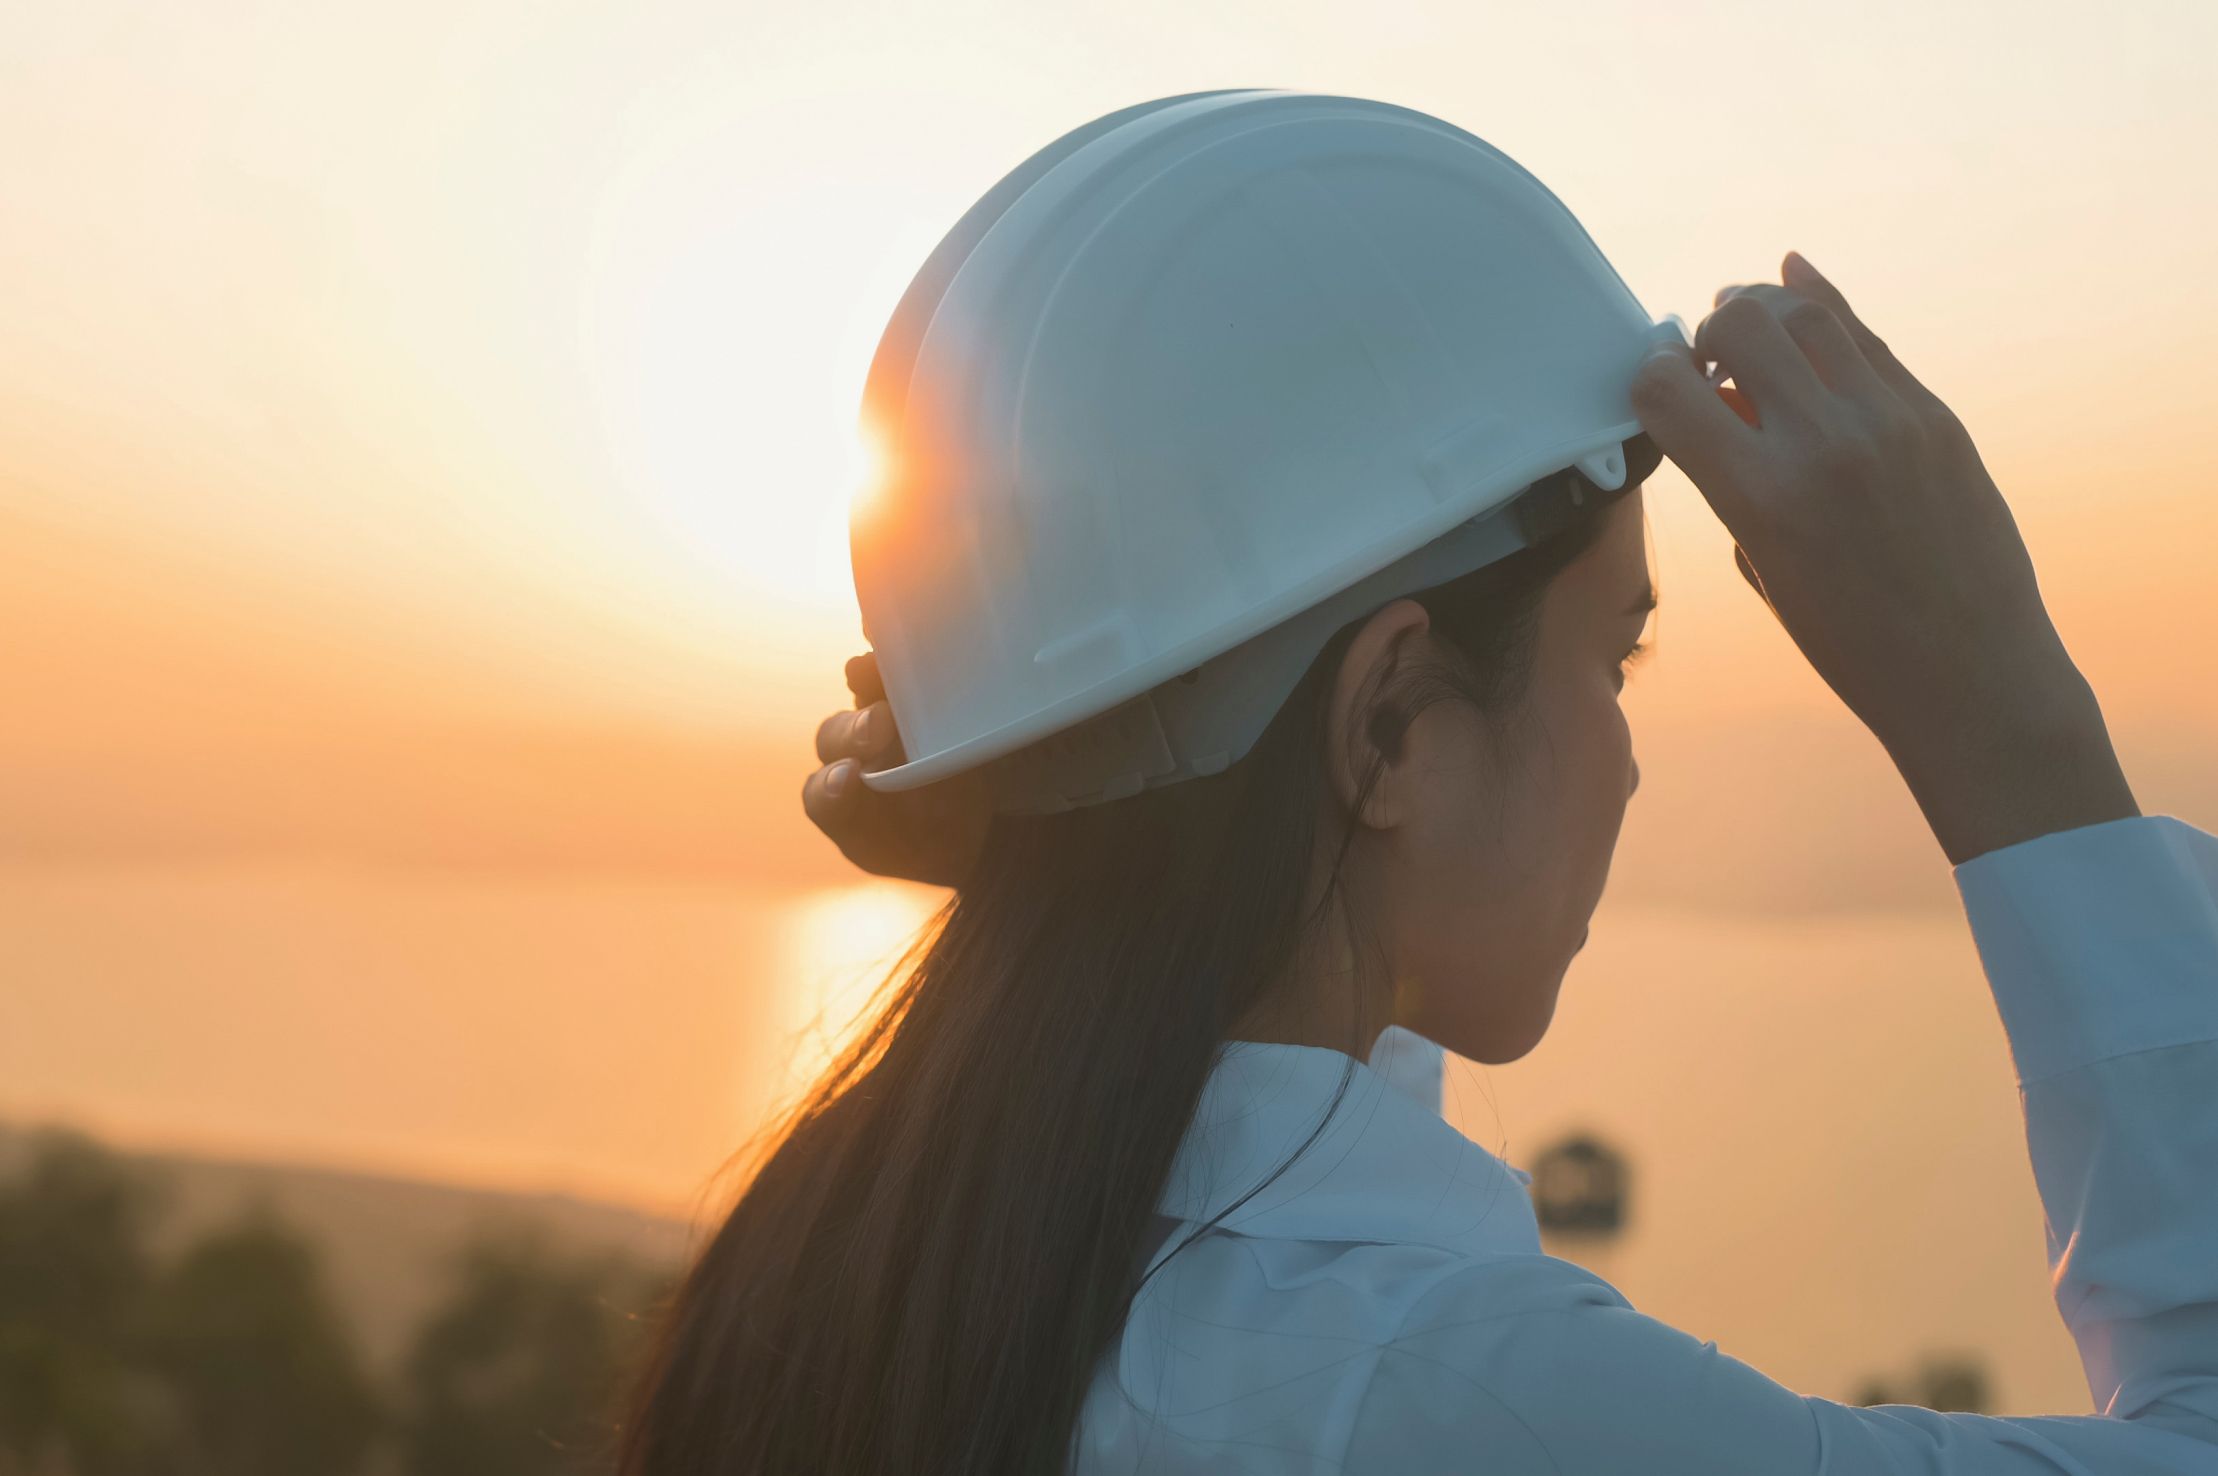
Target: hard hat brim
x,y
1604,462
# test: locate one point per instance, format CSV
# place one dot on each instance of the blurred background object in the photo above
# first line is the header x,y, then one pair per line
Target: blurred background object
x,y
1580,1187
1954,1381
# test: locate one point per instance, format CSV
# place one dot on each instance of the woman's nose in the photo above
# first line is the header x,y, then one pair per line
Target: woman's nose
x,y
1636,780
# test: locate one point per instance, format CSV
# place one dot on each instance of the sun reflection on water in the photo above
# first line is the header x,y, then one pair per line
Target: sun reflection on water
x,y
835,950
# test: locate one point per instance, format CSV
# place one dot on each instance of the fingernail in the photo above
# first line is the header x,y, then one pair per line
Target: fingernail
x,y
835,782
866,725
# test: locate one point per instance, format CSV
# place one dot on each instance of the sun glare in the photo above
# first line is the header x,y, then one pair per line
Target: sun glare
x,y
728,352
866,472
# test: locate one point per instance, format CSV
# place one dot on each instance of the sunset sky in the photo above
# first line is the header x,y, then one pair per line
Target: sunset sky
x,y
425,440
480,380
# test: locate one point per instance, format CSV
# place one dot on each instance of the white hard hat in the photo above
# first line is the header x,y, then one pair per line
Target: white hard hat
x,y
1189,389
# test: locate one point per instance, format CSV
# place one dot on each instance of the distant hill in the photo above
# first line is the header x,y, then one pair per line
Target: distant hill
x,y
385,1241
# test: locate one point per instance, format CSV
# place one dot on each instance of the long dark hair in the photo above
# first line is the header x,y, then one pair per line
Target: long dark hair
x,y
947,1232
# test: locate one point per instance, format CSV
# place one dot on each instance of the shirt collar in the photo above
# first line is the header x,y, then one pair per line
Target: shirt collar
x,y
1387,1168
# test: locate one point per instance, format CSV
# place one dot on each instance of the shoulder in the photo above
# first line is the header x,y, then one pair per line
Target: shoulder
x,y
1376,1357
1547,1367
1510,1284
1383,1294
1485,1318
1470,1313
1251,1345
1385,1289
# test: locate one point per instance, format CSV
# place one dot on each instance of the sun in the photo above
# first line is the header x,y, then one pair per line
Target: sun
x,y
728,352
866,470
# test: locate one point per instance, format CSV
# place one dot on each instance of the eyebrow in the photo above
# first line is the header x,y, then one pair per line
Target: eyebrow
x,y
1644,602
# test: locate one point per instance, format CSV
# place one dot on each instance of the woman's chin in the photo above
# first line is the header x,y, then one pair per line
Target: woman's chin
x,y
1503,1043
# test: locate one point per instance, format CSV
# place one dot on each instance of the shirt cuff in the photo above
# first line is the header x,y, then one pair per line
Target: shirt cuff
x,y
2098,941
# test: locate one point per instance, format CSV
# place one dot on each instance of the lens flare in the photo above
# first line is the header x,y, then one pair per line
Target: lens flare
x,y
866,471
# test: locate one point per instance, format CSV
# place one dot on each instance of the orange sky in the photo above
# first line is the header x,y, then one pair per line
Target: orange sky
x,y
425,433
476,384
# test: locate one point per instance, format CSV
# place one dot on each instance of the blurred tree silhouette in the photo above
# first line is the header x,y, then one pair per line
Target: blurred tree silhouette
x,y
74,1275
1955,1381
233,1358
518,1372
1944,1381
260,1364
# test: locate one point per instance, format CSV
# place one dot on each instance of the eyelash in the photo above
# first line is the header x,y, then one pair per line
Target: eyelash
x,y
1632,657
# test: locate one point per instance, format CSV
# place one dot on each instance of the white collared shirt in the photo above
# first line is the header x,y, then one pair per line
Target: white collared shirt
x,y
1384,1306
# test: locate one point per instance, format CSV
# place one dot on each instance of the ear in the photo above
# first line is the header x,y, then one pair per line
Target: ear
x,y
1380,648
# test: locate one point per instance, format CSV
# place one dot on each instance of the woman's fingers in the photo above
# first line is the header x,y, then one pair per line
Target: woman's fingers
x,y
828,793
832,736
1861,512
855,734
1682,412
1744,336
863,679
931,835
1733,397
1825,340
1796,272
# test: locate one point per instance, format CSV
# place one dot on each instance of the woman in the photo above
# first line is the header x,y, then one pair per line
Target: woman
x,y
1142,1167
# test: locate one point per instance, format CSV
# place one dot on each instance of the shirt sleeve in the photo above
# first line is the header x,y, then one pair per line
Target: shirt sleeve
x,y
2101,946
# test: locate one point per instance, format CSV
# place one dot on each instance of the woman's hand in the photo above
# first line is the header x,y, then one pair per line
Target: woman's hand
x,y
929,835
1864,518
